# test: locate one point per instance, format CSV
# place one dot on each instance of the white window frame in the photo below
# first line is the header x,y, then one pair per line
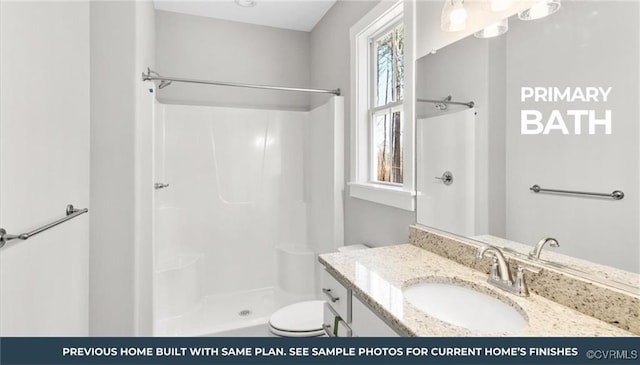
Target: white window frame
x,y
380,19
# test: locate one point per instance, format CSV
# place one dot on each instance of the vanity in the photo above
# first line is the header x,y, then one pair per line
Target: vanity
x,y
410,290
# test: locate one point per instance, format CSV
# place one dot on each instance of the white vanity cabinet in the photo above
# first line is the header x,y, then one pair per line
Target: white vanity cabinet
x,y
348,313
365,323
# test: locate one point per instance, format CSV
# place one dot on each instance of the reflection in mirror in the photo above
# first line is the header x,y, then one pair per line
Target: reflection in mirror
x,y
556,106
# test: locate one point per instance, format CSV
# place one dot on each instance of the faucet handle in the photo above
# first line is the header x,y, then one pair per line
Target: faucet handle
x,y
494,269
520,286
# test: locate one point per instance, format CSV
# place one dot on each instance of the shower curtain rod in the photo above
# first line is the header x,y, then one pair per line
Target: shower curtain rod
x,y
469,104
166,81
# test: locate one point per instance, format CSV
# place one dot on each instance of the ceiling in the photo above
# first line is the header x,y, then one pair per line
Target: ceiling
x,y
300,15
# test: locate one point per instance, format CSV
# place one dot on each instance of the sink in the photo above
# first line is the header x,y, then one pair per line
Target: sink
x,y
464,307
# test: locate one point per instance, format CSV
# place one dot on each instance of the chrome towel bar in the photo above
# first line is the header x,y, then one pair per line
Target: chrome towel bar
x,y
616,195
71,213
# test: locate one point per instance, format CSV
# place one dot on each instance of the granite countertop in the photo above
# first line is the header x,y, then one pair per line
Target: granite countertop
x,y
378,276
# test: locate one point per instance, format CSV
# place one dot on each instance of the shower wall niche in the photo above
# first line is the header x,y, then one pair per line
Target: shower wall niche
x,y
236,229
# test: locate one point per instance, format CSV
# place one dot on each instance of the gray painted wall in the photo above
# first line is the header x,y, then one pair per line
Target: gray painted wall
x,y
120,261
112,195
204,48
44,165
144,174
365,222
497,160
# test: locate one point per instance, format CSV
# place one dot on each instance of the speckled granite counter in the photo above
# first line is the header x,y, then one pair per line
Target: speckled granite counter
x,y
378,277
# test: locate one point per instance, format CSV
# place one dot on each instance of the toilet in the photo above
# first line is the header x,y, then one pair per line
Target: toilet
x,y
303,319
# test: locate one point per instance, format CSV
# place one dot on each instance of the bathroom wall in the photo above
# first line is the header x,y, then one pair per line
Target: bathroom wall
x,y
144,169
44,165
121,177
575,48
211,49
365,222
496,134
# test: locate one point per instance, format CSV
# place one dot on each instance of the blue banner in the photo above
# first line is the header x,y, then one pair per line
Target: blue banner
x,y
387,351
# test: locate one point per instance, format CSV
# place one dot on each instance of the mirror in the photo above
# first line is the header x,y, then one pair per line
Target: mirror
x,y
557,106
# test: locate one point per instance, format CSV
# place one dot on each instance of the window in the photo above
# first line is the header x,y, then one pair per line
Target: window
x,y
387,86
381,120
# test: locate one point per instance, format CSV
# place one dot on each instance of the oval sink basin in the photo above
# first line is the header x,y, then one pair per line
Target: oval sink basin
x,y
465,308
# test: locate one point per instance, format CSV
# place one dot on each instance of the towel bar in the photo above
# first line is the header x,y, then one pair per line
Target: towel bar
x,y
71,213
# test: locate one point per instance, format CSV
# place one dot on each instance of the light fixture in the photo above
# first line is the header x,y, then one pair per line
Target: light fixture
x,y
540,10
494,29
246,3
454,16
500,5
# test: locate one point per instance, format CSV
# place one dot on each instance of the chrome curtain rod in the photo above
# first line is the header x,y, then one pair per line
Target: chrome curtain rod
x,y
616,195
71,213
469,104
165,81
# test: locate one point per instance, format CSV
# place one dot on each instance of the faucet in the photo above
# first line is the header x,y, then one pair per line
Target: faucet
x,y
499,267
535,254
500,275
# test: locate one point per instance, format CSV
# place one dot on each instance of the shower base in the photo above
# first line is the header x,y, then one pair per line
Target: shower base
x,y
227,312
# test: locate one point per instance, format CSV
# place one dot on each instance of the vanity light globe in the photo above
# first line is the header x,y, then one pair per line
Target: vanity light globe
x,y
541,9
494,29
454,16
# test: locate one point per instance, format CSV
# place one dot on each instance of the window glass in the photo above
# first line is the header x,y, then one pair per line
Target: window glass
x,y
387,147
389,59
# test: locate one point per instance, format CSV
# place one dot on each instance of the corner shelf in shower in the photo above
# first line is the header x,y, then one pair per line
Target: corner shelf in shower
x,y
178,262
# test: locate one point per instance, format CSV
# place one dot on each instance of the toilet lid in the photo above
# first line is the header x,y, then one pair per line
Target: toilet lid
x,y
299,317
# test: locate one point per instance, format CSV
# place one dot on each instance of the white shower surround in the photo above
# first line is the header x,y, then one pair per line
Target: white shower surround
x,y
232,230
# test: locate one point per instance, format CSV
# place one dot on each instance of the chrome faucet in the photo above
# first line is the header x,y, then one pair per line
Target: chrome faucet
x,y
535,254
500,275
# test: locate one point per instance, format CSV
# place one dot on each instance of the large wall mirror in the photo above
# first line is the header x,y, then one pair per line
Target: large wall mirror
x,y
557,107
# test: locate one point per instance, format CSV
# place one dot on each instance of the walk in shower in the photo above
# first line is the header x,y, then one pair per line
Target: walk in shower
x,y
245,199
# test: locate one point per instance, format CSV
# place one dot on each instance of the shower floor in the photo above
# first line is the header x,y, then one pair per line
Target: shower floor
x,y
227,312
